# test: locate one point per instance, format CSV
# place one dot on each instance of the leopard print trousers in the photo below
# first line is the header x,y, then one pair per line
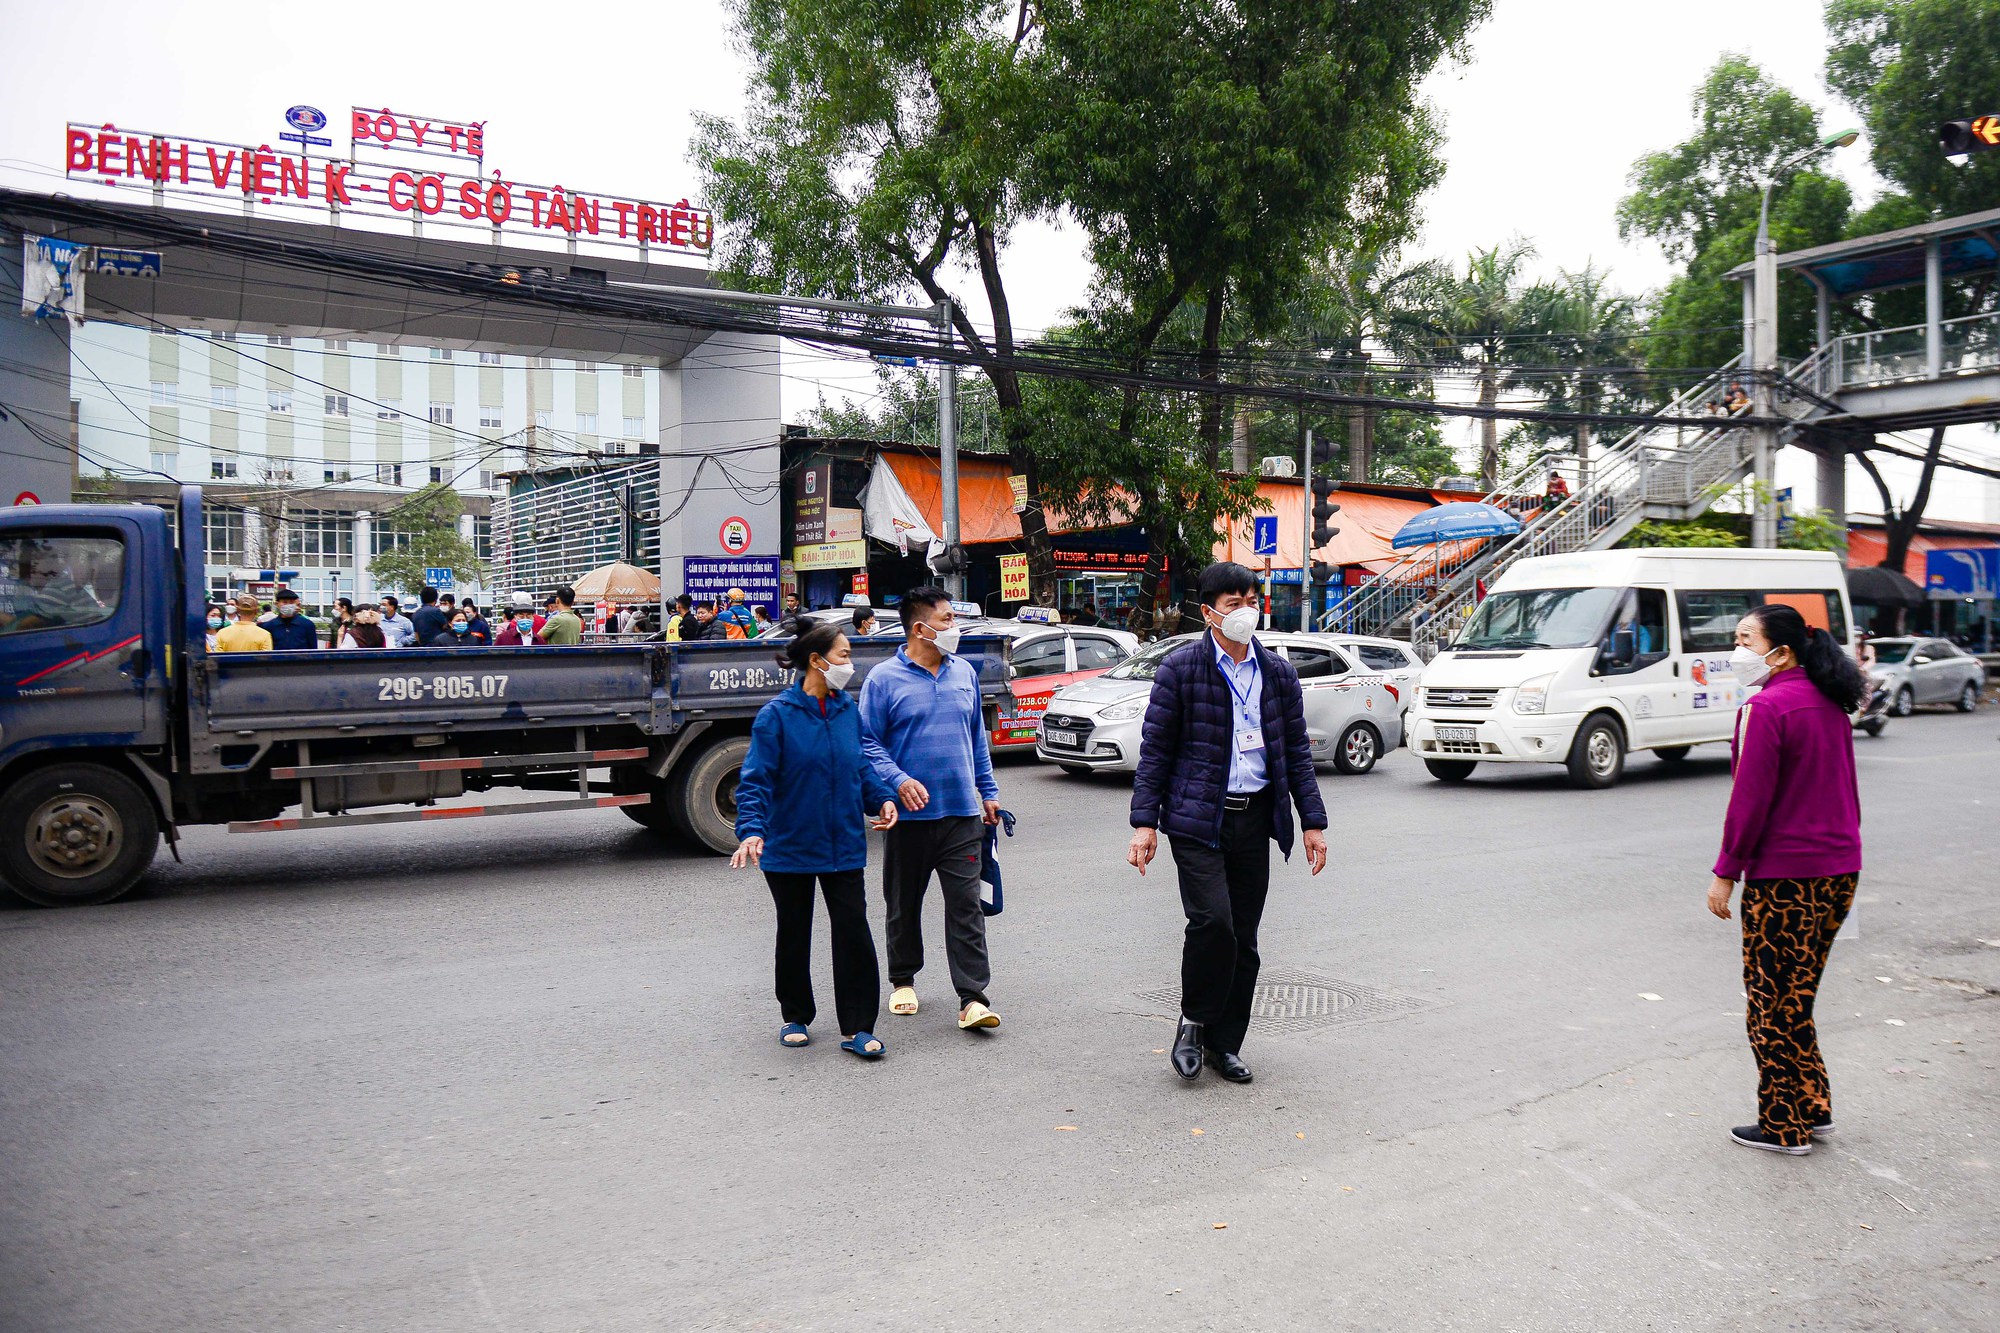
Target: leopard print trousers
x,y
1788,930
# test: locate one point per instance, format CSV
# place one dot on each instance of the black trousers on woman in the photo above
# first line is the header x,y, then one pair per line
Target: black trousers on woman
x,y
1788,930
857,981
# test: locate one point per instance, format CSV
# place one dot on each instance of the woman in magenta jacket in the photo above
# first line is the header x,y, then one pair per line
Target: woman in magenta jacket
x,y
1793,836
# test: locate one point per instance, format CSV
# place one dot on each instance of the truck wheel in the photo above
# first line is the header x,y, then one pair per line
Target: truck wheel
x,y
631,779
1597,756
1451,770
76,835
1673,754
1360,745
704,804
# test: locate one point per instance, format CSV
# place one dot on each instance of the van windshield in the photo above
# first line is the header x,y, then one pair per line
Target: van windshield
x,y
1541,618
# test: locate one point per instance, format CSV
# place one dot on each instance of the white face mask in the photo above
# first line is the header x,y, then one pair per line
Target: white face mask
x,y
946,639
837,674
1750,667
1240,624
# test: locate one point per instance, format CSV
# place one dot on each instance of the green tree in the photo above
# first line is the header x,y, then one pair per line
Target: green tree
x,y
1698,201
429,520
1492,318
1682,532
1907,65
883,155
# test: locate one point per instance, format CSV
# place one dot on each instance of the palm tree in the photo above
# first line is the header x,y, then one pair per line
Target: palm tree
x,y
1596,331
1489,318
1377,302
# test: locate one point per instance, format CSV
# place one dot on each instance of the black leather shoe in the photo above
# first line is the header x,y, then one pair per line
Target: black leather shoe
x,y
1227,1065
1187,1051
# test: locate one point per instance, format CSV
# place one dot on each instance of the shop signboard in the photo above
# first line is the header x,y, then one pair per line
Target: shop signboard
x,y
1013,578
831,555
1018,484
1957,572
843,525
809,499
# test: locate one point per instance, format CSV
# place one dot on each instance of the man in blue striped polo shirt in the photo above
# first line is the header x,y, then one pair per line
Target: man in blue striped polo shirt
x,y
922,729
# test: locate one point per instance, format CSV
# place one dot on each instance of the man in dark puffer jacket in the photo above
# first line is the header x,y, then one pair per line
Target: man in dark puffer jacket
x,y
1223,757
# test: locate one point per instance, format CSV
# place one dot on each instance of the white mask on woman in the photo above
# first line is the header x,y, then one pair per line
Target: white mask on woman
x,y
1240,624
837,674
1750,667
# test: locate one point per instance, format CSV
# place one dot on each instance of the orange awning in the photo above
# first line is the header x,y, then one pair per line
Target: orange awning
x,y
985,501
1867,547
1366,521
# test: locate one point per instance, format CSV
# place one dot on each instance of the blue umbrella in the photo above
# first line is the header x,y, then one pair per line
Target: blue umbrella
x,y
1461,520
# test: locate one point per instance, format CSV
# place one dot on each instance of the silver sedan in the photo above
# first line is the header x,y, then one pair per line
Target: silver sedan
x,y
1352,717
1927,671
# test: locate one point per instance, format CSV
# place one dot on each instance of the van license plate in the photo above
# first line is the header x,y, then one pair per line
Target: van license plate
x,y
1055,737
1465,735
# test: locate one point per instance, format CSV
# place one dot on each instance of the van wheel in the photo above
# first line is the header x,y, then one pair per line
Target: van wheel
x,y
1451,770
702,802
1597,756
76,835
1360,745
1673,754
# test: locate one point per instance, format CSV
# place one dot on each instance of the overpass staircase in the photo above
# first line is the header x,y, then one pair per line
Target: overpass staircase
x,y
1657,471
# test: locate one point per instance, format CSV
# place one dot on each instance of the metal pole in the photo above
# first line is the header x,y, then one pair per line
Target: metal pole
x,y
1305,533
1764,367
1933,309
954,583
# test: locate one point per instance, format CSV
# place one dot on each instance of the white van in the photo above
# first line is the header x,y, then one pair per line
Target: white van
x,y
1577,659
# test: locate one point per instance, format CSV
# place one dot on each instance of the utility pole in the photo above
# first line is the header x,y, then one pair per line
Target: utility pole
x,y
954,579
1305,531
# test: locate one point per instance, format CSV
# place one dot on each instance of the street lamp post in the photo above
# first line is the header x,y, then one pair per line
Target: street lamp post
x,y
1764,346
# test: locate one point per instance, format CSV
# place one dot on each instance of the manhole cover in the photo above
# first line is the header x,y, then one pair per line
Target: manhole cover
x,y
1299,1002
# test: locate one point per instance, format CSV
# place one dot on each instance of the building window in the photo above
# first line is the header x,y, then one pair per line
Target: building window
x,y
222,535
320,536
336,404
336,344
543,421
166,393
389,409
337,474
635,372
222,395
281,401
221,468
222,337
586,423
387,349
437,476
389,474
280,340
482,536
539,363
386,536
440,414
485,480
489,418
276,470
489,358
585,368
440,353
635,428
163,463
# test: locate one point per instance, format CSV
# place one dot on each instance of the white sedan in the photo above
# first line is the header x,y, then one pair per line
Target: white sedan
x,y
1352,716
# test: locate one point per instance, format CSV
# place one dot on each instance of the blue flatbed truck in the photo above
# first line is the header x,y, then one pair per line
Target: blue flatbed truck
x,y
118,728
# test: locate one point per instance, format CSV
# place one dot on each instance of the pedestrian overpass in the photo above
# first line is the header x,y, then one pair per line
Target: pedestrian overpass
x,y
1944,371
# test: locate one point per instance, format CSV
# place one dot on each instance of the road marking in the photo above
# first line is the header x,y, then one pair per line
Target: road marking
x,y
1627,1204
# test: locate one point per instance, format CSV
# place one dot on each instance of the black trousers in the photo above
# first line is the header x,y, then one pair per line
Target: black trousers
x,y
1788,930
857,981
951,848
1222,891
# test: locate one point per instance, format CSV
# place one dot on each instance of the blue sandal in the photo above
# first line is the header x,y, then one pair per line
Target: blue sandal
x,y
858,1043
790,1030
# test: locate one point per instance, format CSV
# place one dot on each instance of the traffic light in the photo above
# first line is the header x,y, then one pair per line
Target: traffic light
x,y
1323,509
1959,137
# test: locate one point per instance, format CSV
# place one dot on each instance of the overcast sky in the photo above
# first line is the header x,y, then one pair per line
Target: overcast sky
x,y
1543,123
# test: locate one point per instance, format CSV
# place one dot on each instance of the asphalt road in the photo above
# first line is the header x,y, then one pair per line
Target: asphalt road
x,y
523,1075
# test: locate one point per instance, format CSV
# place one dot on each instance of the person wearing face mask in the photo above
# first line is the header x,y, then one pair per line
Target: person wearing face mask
x,y
289,628
216,620
801,800
343,616
1223,758
457,633
519,631
1793,836
923,730
396,627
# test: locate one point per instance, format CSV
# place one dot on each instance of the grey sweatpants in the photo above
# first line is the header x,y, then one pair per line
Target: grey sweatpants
x,y
951,848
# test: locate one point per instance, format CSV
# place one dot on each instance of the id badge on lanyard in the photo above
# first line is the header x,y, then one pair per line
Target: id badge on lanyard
x,y
1249,731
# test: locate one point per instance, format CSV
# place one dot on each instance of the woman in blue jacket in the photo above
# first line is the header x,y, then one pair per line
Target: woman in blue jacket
x,y
800,805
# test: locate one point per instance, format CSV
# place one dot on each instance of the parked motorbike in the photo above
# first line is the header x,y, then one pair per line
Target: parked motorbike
x,y
1874,715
